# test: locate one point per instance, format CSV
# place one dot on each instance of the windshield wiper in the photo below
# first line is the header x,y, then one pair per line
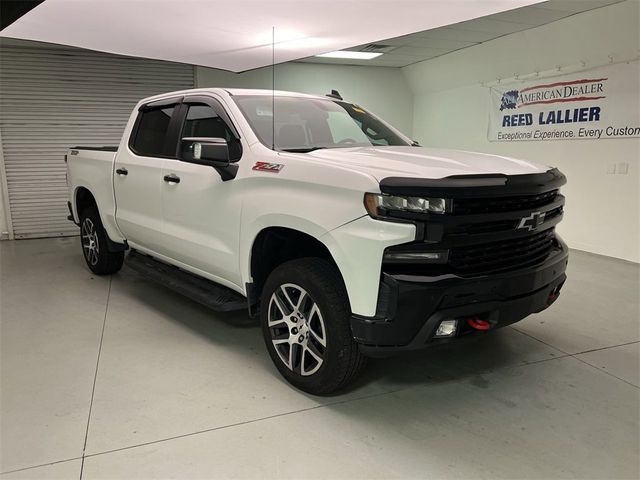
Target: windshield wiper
x,y
302,150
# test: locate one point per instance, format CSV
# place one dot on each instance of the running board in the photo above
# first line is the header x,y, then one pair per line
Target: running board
x,y
206,292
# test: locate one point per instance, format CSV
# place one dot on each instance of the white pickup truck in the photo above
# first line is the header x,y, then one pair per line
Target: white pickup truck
x,y
347,238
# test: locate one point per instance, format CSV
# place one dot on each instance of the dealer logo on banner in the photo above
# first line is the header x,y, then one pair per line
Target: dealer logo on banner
x,y
600,103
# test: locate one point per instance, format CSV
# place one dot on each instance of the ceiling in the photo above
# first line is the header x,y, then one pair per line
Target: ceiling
x,y
416,47
237,35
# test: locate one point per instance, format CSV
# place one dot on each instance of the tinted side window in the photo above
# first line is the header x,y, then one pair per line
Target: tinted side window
x,y
152,129
203,121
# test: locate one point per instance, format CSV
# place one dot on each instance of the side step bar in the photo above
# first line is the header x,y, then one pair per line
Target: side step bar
x,y
206,292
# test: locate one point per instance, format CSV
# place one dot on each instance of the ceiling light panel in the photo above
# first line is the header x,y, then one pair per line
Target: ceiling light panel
x,y
350,55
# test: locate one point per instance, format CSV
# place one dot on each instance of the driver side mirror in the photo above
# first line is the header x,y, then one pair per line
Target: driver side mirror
x,y
210,151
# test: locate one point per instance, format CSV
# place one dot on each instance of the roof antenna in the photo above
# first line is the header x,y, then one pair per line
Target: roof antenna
x,y
273,88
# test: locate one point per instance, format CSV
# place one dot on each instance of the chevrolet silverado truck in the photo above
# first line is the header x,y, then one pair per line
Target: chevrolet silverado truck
x,y
347,238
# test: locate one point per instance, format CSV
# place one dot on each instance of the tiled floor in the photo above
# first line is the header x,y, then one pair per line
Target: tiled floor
x,y
121,378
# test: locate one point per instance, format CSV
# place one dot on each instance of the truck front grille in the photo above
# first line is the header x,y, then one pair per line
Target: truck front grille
x,y
494,223
502,255
469,206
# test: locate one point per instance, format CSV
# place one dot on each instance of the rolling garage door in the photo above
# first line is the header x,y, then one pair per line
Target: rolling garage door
x,y
54,98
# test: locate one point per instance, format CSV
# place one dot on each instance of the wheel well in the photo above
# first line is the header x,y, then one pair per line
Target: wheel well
x,y
275,245
84,198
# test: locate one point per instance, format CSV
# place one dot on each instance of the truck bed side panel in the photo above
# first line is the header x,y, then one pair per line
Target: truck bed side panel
x,y
93,169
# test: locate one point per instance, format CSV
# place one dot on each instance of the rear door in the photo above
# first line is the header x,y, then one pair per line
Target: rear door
x,y
138,179
201,211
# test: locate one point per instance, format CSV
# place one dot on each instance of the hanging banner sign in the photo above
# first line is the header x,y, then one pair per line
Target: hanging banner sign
x,y
592,105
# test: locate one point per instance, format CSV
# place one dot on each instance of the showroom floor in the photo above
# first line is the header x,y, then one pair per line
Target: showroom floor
x,y
151,385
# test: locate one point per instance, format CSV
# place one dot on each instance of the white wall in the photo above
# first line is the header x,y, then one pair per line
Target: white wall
x,y
451,110
382,90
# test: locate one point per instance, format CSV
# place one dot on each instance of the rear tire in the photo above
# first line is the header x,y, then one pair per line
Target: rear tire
x,y
93,239
305,317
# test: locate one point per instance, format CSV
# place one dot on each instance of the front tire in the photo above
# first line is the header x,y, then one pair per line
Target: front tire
x,y
305,323
94,244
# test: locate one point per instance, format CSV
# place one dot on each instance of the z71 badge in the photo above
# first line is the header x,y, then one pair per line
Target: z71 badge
x,y
268,167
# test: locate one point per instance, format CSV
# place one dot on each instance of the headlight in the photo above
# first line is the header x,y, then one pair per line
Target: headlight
x,y
377,203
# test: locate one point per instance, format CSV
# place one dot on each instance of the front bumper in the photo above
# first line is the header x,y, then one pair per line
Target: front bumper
x,y
410,308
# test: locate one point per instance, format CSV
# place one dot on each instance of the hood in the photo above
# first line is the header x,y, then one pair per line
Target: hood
x,y
422,162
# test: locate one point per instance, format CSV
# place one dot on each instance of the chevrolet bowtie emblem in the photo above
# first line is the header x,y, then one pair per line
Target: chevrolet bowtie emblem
x,y
531,222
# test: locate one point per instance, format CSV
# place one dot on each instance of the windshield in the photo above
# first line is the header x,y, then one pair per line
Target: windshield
x,y
304,124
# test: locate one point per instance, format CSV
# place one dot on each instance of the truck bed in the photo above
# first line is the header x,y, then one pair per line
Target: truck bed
x,y
92,167
105,148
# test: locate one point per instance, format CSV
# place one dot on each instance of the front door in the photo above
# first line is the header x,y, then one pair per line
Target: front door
x,y
201,214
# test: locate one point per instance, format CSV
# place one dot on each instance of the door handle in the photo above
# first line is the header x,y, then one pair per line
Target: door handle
x,y
122,171
173,178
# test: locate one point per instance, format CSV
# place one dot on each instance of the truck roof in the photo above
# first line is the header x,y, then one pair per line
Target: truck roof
x,y
277,93
232,91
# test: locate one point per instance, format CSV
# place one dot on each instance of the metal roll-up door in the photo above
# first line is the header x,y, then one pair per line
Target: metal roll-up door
x,y
52,98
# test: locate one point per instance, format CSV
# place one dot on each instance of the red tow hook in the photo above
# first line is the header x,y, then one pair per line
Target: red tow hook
x,y
478,324
553,295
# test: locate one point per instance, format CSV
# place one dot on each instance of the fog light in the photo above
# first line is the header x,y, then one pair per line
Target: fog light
x,y
447,328
415,257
